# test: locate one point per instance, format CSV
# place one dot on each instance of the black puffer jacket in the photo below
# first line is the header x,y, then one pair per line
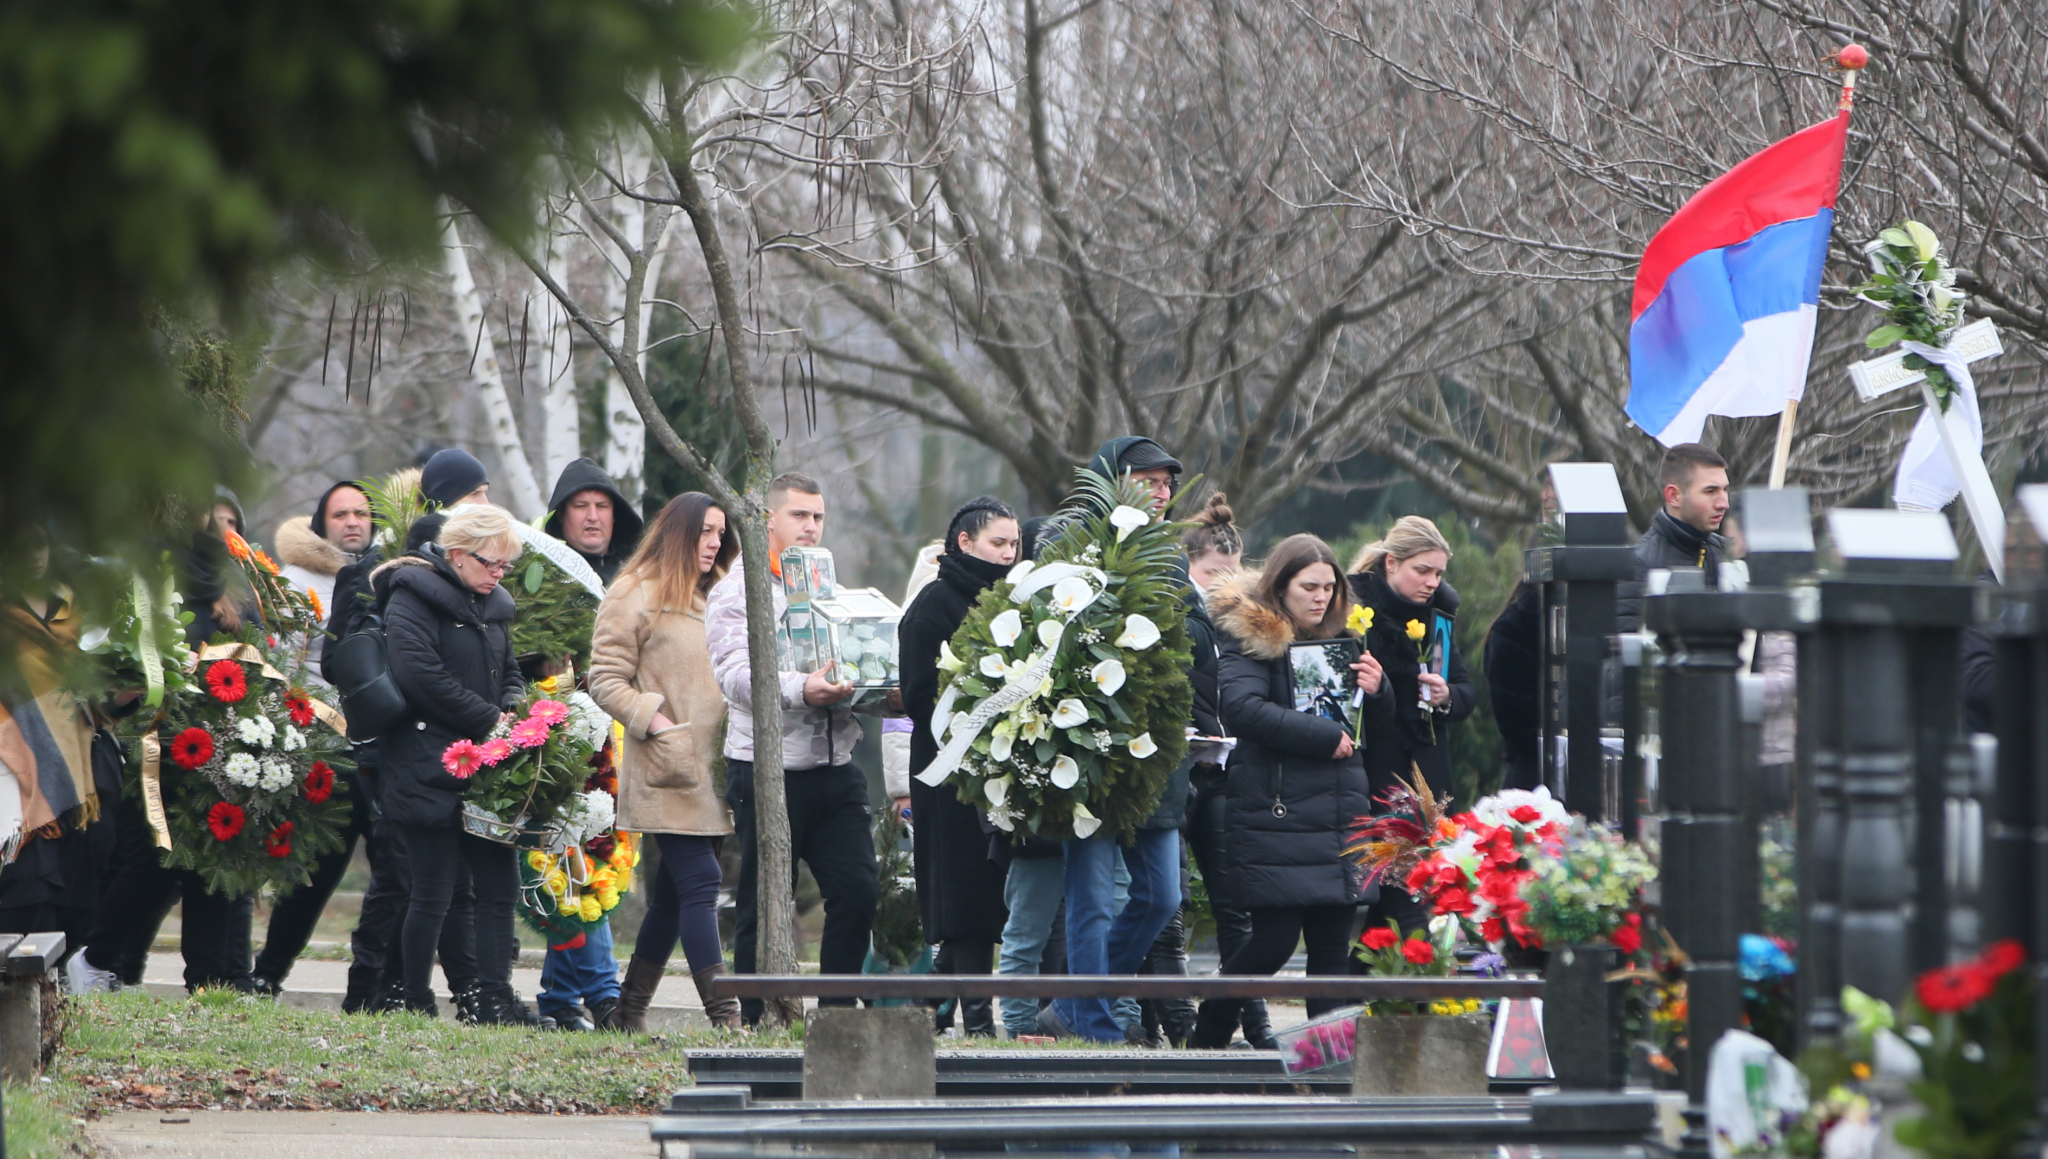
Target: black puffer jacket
x,y
451,654
1414,737
1513,678
1290,801
959,887
1668,543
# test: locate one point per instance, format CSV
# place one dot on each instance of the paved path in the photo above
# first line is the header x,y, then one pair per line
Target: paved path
x,y
359,1135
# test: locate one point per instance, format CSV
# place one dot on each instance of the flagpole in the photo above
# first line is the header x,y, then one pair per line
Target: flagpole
x,y
1850,60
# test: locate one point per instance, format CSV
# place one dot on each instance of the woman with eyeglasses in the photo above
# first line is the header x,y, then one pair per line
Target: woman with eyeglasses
x,y
448,631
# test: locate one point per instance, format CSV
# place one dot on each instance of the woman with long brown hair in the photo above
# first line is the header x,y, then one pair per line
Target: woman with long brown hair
x,y
1295,782
650,668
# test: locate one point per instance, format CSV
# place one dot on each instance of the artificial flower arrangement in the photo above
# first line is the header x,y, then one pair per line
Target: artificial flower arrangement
x,y
1422,954
1066,696
1517,871
242,759
1916,289
586,863
1972,1025
526,771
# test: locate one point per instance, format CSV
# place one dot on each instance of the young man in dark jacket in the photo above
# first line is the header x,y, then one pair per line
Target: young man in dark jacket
x,y
1686,532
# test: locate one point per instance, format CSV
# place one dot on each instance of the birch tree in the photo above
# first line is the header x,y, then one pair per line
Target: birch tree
x,y
516,487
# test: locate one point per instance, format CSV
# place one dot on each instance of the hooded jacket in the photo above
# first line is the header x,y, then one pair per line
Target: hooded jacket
x,y
451,655
310,563
1408,741
586,475
959,889
1514,664
1290,802
1668,543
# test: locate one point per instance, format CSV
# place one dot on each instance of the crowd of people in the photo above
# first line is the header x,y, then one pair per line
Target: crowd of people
x,y
1261,807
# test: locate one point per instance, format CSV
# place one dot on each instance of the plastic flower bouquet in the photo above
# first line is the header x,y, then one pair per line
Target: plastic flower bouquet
x,y
527,770
1585,889
1066,695
1973,1026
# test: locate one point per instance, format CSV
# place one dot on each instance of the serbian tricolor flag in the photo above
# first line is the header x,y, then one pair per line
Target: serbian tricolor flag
x,y
1729,289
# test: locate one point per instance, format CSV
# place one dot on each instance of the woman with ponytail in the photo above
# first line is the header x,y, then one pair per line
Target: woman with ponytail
x,y
959,887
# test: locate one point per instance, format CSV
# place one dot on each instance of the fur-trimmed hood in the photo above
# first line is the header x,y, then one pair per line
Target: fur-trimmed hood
x,y
297,546
1259,630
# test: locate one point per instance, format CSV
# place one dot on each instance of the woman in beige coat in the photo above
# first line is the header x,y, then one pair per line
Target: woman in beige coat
x,y
650,668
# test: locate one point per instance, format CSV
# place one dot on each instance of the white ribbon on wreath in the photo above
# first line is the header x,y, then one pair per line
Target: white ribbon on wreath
x,y
965,728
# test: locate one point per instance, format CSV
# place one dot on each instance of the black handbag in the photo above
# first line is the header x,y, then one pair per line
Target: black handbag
x,y
360,668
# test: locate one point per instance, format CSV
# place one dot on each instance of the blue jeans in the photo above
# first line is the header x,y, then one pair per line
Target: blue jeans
x,y
1032,891
1099,939
587,973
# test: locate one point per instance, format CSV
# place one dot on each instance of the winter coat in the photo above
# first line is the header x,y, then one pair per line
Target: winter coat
x,y
813,736
1416,737
451,655
1668,543
586,475
310,564
646,659
1513,663
1290,801
959,888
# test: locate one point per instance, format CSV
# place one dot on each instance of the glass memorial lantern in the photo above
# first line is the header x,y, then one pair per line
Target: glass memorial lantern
x,y
852,629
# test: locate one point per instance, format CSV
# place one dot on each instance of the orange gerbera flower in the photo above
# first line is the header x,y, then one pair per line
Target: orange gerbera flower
x,y
237,546
314,598
263,561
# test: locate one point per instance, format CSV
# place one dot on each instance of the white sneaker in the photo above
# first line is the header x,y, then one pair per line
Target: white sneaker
x,y
83,977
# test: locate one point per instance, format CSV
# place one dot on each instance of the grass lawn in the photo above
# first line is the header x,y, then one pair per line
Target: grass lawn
x,y
222,1051
46,1120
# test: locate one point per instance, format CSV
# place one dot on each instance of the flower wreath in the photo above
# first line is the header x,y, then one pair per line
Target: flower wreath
x,y
579,877
1066,701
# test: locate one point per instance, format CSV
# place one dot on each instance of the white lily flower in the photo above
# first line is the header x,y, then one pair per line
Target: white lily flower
x,y
1006,627
1073,594
1085,823
1033,730
91,641
999,744
1108,676
997,790
1139,633
1024,568
1000,818
1050,632
1142,746
1069,713
1127,520
1065,773
992,666
947,661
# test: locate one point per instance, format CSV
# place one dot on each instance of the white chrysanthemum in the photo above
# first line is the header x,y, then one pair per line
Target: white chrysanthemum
x,y
1069,713
587,720
1073,594
294,740
1065,773
1085,823
1050,631
588,814
1108,676
1006,627
1127,520
1139,633
1143,746
275,775
243,770
256,731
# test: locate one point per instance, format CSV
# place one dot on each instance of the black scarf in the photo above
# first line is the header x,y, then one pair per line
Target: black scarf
x,y
968,574
1397,654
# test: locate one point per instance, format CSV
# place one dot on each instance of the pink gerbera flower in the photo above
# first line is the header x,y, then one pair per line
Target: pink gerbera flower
x,y
548,712
462,759
530,733
494,751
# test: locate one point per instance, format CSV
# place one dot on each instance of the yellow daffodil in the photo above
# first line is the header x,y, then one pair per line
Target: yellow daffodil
x,y
1360,620
1416,631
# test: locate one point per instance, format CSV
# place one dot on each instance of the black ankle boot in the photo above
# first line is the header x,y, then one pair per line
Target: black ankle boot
x,y
1258,1027
470,1007
1215,1025
361,995
501,1007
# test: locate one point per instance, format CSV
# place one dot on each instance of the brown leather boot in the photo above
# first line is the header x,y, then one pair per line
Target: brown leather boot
x,y
636,992
722,1013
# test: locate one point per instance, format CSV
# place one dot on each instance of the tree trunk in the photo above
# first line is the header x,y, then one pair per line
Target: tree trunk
x,y
562,411
515,487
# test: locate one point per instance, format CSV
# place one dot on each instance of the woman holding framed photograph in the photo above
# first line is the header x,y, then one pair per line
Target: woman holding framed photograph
x,y
1295,782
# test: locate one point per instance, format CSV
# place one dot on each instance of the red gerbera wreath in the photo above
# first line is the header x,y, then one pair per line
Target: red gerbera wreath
x,y
299,709
192,748
279,842
225,820
226,680
320,782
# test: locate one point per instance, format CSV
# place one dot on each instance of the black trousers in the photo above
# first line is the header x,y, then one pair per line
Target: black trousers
x,y
831,829
438,855
1205,830
214,933
292,922
1324,929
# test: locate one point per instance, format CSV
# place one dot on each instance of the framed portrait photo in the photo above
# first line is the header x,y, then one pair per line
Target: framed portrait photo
x,y
1321,671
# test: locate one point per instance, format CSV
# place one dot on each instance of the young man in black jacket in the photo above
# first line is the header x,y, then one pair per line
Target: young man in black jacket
x,y
1686,532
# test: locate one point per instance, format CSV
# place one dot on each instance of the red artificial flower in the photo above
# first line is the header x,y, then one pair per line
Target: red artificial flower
x,y
1493,930
320,782
192,748
225,820
1526,814
299,708
1379,938
1628,937
279,842
1448,875
1953,988
1456,900
226,680
1419,878
1418,951
1498,848
2002,958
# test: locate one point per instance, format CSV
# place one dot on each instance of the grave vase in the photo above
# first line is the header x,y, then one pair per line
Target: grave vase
x,y
1582,1014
